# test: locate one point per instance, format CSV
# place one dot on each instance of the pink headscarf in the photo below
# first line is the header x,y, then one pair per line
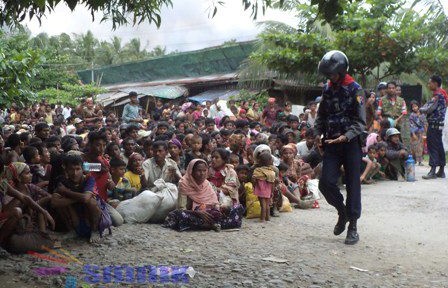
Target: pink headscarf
x,y
200,194
372,139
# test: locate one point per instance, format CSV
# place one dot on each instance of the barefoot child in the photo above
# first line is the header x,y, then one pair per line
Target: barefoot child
x,y
372,167
77,194
417,126
263,179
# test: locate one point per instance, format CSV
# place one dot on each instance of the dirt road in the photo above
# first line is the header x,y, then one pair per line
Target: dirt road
x,y
403,230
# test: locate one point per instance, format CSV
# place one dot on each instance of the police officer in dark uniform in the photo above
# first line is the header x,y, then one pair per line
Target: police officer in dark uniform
x,y
340,121
435,111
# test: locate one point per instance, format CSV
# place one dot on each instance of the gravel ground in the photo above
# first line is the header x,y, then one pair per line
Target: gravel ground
x,y
403,233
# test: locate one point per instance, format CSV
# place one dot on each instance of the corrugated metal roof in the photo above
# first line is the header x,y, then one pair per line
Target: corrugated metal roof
x,y
120,97
179,81
211,95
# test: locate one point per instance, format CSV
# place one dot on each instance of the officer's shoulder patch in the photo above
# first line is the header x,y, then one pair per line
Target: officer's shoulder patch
x,y
360,99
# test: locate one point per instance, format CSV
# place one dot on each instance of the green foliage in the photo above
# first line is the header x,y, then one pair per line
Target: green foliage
x,y
245,95
374,33
70,94
18,65
287,53
123,12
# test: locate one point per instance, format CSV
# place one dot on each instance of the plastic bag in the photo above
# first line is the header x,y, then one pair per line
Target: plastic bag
x,y
253,206
286,205
313,187
225,200
140,208
169,194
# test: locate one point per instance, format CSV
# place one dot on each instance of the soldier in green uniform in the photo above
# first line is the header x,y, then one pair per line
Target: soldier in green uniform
x,y
392,107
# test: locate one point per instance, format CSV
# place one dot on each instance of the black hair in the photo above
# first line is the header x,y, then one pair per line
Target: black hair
x,y
24,136
52,139
158,144
116,162
109,147
29,152
264,158
179,121
67,143
214,133
40,147
130,129
292,118
385,124
13,141
372,147
223,153
225,132
209,121
41,126
391,83
163,137
414,102
72,159
95,136
380,145
163,124
309,133
242,167
283,166
223,120
132,94
240,124
437,79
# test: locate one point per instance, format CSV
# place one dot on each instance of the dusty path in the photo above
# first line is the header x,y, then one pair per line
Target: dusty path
x,y
403,229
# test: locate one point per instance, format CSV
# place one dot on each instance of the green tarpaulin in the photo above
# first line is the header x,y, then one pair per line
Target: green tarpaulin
x,y
216,60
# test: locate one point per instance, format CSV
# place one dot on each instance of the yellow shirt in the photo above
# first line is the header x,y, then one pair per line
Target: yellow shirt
x,y
134,179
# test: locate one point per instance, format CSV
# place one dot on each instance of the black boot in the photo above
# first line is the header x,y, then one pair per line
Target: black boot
x,y
340,225
431,174
352,234
441,172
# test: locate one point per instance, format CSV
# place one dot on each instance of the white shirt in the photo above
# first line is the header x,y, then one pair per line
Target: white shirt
x,y
302,149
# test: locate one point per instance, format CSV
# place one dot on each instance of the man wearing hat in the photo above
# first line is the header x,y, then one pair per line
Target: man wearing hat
x,y
396,154
435,111
340,121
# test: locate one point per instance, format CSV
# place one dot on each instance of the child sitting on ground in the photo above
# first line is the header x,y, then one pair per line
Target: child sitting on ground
x,y
382,160
78,195
263,180
195,150
135,173
33,159
123,189
370,165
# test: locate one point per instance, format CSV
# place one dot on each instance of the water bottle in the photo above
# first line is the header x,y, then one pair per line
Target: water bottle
x,y
410,169
91,167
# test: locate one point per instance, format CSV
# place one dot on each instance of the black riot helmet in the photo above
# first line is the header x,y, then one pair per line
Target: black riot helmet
x,y
333,62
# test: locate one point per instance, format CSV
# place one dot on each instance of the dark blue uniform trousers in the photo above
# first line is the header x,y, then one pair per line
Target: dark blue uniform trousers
x,y
349,155
435,147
